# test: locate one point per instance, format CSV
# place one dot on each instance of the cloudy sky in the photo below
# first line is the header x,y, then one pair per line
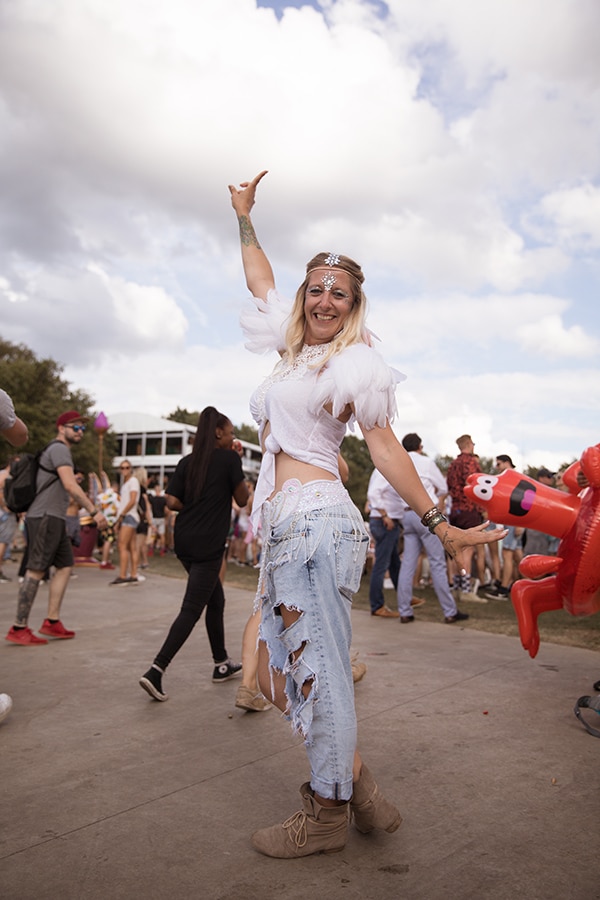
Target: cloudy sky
x,y
452,148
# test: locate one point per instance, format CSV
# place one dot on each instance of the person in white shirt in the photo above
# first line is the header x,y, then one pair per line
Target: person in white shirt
x,y
127,523
417,538
386,508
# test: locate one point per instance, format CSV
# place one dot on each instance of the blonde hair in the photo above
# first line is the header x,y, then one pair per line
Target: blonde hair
x,y
354,330
142,476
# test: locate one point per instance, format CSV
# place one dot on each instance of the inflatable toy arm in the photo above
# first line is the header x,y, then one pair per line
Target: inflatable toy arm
x,y
590,465
515,499
569,477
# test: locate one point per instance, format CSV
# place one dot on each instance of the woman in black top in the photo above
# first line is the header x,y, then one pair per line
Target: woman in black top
x,y
200,491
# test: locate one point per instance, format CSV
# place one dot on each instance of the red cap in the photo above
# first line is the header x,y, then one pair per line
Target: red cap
x,y
71,416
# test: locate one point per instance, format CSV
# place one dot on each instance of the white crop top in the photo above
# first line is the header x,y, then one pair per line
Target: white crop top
x,y
292,398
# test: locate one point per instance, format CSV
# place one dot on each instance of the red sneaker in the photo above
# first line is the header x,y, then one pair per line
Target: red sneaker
x,y
56,630
106,565
24,636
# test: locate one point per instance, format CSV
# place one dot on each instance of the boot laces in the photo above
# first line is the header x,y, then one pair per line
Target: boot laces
x,y
296,828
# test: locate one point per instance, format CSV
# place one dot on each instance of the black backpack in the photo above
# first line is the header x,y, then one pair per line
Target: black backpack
x,y
20,486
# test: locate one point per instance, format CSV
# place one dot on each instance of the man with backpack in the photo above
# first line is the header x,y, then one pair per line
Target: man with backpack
x,y
48,543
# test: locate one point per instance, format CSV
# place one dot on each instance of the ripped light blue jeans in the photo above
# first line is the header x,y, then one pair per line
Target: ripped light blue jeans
x,y
313,554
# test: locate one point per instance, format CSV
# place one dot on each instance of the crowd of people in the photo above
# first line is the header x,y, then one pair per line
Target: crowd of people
x,y
296,653
402,547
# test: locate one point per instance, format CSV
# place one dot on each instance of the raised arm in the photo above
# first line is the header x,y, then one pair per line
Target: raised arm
x,y
257,268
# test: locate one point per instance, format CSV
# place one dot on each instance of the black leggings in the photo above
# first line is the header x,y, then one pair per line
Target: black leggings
x,y
204,589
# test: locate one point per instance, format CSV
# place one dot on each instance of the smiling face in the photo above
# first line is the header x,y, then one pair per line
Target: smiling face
x,y
328,302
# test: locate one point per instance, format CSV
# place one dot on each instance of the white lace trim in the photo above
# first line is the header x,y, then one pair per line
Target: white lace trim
x,y
284,371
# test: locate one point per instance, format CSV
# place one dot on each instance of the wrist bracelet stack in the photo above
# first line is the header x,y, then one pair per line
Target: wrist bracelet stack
x,y
432,518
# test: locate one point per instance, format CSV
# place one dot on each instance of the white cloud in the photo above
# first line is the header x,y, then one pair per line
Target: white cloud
x,y
549,336
75,315
157,382
7,294
420,327
572,217
143,311
520,413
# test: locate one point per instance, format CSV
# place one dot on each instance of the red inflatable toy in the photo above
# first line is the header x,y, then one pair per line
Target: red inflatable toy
x,y
574,573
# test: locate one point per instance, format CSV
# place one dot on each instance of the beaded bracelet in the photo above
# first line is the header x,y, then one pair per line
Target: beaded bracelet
x,y
437,520
425,519
432,518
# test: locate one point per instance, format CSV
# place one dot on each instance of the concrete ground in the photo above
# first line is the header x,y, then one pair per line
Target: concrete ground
x,y
109,794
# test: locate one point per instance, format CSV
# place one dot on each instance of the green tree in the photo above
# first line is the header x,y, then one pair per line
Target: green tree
x,y
40,394
183,416
356,453
246,433
443,463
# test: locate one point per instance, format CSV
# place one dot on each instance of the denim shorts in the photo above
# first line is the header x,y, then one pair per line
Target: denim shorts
x,y
512,541
130,520
8,526
314,550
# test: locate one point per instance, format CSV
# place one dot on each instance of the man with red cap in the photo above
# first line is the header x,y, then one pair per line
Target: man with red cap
x,y
47,541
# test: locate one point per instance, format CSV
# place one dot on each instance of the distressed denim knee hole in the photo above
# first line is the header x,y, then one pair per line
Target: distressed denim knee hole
x,y
311,566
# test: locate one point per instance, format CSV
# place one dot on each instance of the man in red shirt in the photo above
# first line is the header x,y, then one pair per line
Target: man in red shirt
x,y
464,513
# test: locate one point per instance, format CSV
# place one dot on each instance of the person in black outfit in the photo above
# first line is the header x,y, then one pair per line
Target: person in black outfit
x,y
200,491
158,504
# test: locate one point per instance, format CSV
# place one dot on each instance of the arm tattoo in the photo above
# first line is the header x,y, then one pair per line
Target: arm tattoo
x,y
448,544
247,233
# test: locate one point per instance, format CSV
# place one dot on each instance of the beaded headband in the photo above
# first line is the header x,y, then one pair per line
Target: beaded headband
x,y
329,279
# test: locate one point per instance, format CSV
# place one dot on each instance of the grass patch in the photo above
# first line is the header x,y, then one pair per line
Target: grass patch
x,y
495,616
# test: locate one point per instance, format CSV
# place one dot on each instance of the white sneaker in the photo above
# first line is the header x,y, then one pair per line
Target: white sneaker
x,y
471,598
5,706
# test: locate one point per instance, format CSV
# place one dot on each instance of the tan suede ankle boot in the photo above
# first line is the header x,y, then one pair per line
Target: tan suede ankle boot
x,y
370,808
313,829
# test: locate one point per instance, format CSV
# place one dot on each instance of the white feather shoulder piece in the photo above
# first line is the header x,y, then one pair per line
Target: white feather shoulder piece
x,y
359,375
264,322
